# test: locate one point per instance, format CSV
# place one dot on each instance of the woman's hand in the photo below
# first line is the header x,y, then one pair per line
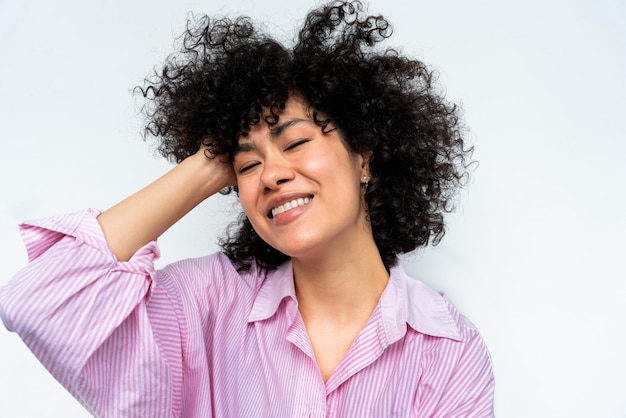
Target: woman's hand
x,y
224,167
145,215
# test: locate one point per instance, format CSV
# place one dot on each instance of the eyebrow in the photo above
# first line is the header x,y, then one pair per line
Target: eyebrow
x,y
275,131
278,129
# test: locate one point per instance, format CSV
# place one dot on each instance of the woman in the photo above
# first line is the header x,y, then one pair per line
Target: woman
x,y
343,157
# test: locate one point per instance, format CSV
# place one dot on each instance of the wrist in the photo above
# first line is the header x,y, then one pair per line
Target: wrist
x,y
210,173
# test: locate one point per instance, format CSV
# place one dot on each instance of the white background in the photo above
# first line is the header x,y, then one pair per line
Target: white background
x,y
535,255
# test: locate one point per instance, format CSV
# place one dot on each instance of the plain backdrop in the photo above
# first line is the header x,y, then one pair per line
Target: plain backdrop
x,y
535,254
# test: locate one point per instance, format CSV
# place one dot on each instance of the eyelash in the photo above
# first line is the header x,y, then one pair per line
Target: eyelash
x,y
296,143
289,146
247,167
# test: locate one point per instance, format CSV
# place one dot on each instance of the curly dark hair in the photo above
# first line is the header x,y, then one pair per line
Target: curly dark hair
x,y
382,102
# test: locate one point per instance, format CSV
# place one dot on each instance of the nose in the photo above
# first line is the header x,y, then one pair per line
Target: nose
x,y
276,171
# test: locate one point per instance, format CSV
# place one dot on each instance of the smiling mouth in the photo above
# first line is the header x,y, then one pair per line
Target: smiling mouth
x,y
301,201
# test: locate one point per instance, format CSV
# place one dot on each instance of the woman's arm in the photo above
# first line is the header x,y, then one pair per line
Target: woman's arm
x,y
87,318
97,322
145,215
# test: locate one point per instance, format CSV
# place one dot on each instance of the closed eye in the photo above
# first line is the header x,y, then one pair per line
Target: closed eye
x,y
295,144
247,167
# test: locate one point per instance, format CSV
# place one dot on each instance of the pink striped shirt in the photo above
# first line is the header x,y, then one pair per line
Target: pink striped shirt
x,y
198,339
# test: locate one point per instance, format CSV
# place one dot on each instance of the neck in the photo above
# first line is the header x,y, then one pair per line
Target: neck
x,y
340,286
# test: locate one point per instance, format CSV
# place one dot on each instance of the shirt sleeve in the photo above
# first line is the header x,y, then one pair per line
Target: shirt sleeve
x,y
469,391
88,318
457,378
459,381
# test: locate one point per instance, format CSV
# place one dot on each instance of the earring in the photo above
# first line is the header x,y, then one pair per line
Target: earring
x,y
366,181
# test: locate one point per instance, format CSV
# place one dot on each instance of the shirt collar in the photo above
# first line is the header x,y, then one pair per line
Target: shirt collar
x,y
276,286
404,301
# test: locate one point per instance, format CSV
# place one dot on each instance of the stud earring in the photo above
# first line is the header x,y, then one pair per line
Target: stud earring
x,y
366,181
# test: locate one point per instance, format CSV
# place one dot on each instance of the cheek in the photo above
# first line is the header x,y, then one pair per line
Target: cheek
x,y
336,164
246,196
323,163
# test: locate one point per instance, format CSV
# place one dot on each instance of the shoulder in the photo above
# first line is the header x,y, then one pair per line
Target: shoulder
x,y
213,264
211,276
466,328
431,312
458,374
454,350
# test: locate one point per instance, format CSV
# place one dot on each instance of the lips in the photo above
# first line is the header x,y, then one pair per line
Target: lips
x,y
288,205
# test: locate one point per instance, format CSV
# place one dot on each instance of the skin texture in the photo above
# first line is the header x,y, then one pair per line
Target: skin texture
x,y
145,215
302,162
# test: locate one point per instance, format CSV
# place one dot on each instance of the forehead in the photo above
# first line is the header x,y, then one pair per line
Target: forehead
x,y
296,113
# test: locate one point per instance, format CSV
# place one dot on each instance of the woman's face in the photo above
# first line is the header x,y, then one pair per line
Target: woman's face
x,y
301,188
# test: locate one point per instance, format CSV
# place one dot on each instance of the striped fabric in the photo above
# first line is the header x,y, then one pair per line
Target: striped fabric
x,y
197,339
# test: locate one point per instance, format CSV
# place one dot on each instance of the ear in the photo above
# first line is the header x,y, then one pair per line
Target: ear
x,y
365,159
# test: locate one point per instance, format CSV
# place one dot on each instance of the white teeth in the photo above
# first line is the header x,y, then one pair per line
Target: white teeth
x,y
290,205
